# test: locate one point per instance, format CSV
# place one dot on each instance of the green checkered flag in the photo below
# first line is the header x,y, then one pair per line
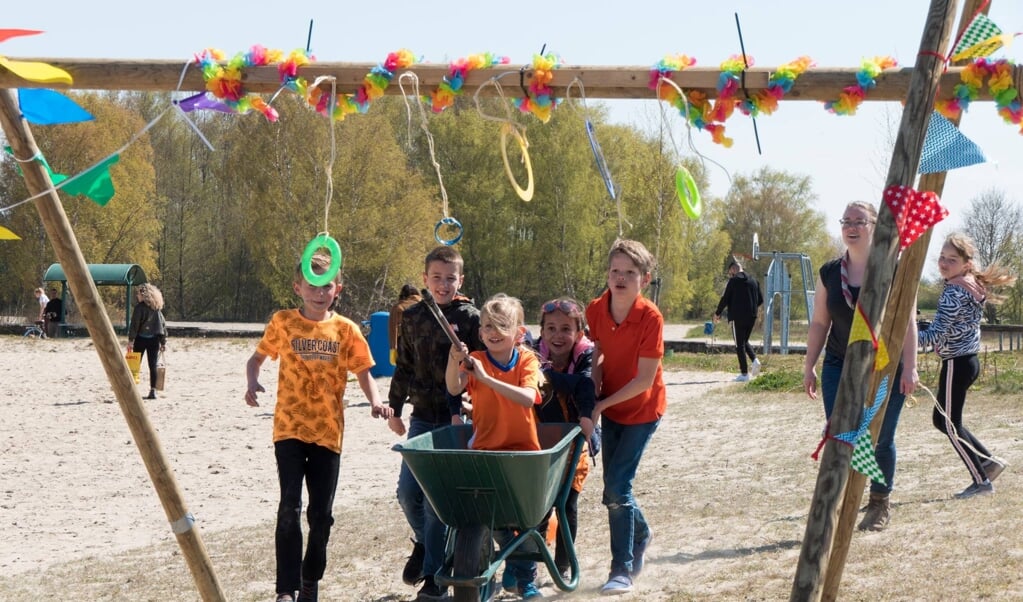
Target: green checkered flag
x,y
980,30
863,459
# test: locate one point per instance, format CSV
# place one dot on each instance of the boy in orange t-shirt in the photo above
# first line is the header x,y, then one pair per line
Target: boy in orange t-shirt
x,y
504,383
317,349
627,331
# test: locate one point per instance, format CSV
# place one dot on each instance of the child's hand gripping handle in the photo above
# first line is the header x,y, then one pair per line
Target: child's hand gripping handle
x,y
431,304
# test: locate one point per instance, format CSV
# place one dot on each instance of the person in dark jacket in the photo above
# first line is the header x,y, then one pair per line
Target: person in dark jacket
x,y
419,381
147,333
743,299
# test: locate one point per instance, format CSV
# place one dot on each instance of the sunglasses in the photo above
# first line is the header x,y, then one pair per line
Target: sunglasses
x,y
566,306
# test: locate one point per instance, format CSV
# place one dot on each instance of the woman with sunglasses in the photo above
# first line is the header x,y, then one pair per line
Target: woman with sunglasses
x,y
838,288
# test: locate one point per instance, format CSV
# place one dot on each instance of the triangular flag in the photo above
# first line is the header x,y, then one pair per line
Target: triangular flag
x,y
95,182
46,107
914,212
36,72
946,148
980,29
864,461
860,330
6,234
881,359
6,34
202,102
985,48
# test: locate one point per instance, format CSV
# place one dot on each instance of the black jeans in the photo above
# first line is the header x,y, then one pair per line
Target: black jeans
x,y
319,467
149,347
742,329
957,374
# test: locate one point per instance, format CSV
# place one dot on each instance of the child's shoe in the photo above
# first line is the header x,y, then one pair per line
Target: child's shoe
x,y
528,591
309,592
754,369
617,585
413,571
985,488
431,591
285,598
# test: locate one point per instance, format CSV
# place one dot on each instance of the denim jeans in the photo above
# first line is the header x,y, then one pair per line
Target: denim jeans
x,y
884,450
318,466
523,570
426,527
623,446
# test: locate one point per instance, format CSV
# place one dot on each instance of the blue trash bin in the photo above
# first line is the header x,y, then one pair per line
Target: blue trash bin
x,y
379,345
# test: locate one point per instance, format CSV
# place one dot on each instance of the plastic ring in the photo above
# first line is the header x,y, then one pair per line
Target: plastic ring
x,y
598,156
688,193
320,242
448,221
527,193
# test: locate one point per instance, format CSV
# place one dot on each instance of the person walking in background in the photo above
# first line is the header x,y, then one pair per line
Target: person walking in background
x,y
838,288
53,313
317,349
42,299
419,381
742,298
147,333
408,297
955,335
627,331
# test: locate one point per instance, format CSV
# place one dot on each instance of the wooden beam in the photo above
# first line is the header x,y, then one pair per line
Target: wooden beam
x,y
629,82
61,235
859,360
902,301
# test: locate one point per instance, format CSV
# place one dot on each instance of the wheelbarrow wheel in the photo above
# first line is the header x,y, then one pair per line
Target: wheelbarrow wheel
x,y
473,549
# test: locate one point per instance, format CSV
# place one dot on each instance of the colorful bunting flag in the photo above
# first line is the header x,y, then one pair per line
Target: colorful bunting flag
x,y
94,182
36,72
864,461
47,107
975,41
202,102
852,437
946,148
914,212
6,234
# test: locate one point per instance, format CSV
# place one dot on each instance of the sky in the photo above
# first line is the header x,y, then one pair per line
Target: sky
x,y
846,156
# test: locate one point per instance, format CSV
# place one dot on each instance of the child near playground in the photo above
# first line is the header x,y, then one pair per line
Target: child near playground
x,y
503,382
955,334
627,330
566,356
317,349
419,381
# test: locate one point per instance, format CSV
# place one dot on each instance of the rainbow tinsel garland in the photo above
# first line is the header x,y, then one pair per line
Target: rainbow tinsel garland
x,y
852,96
373,86
999,77
540,97
451,87
225,81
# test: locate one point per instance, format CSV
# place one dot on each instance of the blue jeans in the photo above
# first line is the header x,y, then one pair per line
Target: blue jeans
x,y
318,467
623,446
523,570
884,452
426,527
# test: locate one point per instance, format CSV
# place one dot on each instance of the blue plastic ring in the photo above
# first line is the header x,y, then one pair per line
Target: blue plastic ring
x,y
448,221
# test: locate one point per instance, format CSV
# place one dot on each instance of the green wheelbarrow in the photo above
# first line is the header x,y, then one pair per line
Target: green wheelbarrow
x,y
475,492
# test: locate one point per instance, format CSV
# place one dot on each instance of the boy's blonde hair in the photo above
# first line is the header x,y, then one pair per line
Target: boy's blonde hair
x,y
444,254
505,313
636,253
994,275
319,263
151,296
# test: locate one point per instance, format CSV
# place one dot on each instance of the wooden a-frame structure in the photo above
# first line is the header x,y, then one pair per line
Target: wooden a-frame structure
x,y
838,490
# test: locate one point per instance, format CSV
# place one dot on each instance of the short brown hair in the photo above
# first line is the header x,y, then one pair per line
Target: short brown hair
x,y
444,254
636,253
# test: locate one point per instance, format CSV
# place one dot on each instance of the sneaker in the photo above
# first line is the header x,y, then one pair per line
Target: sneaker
x,y
638,553
431,591
754,369
285,598
993,468
617,585
309,592
413,572
529,592
508,581
975,489
742,378
152,394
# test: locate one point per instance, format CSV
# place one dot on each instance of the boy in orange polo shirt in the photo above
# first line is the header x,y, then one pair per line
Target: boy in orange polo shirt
x,y
627,330
504,383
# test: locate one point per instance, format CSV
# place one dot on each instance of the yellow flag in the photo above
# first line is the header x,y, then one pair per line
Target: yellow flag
x,y
36,72
6,234
860,331
881,359
985,48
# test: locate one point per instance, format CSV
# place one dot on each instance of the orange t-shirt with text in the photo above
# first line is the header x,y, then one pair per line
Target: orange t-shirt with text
x,y
315,359
640,335
498,423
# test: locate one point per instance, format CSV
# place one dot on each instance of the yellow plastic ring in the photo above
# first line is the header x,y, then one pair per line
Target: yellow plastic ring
x,y
688,193
320,242
527,193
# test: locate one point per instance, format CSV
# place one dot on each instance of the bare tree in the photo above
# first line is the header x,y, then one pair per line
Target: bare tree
x,y
993,221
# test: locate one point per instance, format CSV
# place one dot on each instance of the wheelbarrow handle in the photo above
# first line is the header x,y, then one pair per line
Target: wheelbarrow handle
x,y
431,304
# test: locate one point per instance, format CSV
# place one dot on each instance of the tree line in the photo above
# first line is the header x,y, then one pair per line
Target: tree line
x,y
220,231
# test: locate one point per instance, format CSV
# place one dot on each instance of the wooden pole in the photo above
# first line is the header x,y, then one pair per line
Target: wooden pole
x,y
817,84
859,359
59,231
902,300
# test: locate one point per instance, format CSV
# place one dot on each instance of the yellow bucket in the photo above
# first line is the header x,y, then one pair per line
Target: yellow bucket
x,y
134,359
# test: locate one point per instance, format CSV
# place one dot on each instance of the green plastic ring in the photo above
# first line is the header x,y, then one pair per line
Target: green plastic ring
x,y
320,242
688,193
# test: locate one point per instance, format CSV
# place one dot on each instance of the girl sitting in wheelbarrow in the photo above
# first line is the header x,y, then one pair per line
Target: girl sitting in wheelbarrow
x,y
504,382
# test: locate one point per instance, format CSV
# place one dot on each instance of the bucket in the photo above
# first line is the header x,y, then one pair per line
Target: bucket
x,y
708,328
134,359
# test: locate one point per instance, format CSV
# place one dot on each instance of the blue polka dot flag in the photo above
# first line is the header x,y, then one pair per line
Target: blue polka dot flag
x,y
946,148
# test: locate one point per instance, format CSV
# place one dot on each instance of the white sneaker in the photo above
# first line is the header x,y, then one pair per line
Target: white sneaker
x,y
742,378
754,369
617,585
